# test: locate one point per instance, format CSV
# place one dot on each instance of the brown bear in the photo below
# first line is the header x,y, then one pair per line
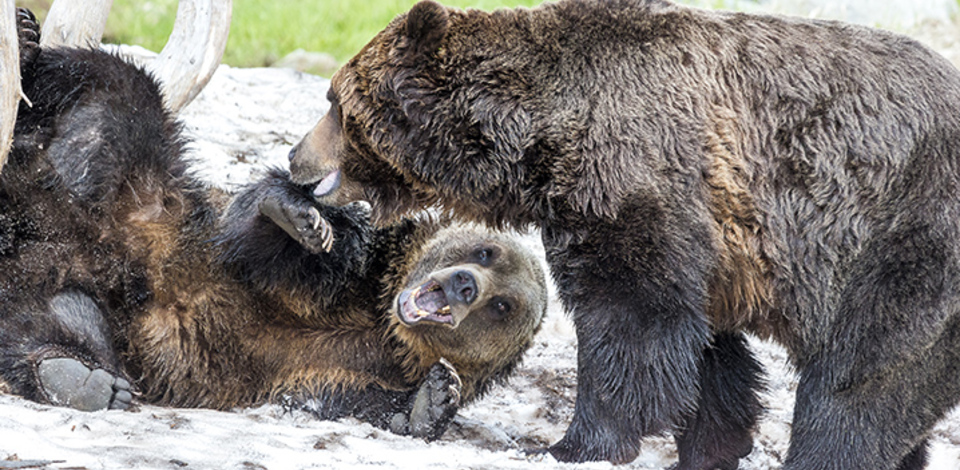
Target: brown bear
x,y
695,175
121,273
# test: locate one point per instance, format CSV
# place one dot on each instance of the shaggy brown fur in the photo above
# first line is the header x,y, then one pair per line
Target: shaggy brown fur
x,y
695,175
116,265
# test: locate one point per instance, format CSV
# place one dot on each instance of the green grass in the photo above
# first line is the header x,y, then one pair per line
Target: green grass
x,y
263,31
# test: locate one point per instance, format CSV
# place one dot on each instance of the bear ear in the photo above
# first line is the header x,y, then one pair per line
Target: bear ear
x,y
427,24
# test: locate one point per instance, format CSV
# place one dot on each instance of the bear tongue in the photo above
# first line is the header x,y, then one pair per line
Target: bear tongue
x,y
328,184
431,301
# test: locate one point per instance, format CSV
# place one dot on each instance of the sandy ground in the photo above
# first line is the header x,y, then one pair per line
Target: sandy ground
x,y
247,119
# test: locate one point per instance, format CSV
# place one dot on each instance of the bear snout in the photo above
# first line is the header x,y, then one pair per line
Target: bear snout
x,y
464,287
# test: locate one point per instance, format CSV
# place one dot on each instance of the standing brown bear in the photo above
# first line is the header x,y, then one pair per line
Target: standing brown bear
x,y
695,175
121,272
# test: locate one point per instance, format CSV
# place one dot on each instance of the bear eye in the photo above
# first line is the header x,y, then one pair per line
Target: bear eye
x,y
485,255
500,308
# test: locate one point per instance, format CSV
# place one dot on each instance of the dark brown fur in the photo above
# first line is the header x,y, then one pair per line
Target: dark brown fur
x,y
695,175
202,300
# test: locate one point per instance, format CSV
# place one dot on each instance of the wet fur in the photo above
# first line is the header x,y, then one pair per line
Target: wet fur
x,y
695,175
203,301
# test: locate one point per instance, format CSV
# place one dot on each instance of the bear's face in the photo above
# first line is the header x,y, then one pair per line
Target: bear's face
x,y
319,157
413,123
343,155
475,297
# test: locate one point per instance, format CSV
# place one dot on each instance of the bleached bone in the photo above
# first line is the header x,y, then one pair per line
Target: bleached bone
x,y
194,49
9,76
75,23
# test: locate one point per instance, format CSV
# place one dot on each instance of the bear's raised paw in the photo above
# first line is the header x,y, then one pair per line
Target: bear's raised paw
x,y
301,220
28,31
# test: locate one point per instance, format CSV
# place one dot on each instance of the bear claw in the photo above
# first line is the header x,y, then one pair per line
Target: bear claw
x,y
454,387
437,401
68,382
29,37
302,221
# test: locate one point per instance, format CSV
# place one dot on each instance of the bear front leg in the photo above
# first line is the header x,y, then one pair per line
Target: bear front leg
x,y
436,402
631,382
275,235
301,220
636,287
425,412
719,434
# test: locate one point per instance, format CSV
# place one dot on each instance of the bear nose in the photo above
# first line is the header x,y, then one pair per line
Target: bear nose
x,y
293,152
464,287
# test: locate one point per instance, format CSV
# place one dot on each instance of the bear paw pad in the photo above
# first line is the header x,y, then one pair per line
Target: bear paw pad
x,y
69,382
437,401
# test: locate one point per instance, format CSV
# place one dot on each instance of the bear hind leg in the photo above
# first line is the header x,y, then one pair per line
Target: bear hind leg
x,y
844,431
861,410
883,370
720,433
917,458
68,380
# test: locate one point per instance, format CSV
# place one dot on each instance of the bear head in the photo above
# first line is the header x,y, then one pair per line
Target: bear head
x,y
475,297
431,110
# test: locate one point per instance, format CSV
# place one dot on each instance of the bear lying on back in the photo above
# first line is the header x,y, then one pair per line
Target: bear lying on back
x,y
695,175
117,268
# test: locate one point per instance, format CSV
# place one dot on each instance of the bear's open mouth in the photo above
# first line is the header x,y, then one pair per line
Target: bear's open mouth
x,y
426,302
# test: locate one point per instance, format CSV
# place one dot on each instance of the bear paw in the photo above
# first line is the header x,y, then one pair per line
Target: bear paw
x,y
29,33
68,382
437,401
301,220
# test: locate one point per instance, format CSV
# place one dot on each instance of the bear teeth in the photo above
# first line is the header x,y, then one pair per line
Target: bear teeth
x,y
445,310
429,300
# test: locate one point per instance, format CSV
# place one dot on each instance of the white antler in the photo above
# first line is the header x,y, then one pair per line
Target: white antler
x,y
194,49
9,76
186,63
75,23
184,67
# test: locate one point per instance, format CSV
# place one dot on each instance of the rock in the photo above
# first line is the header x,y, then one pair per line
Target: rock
x,y
316,63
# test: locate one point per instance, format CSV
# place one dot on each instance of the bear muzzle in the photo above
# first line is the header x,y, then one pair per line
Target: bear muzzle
x,y
444,299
